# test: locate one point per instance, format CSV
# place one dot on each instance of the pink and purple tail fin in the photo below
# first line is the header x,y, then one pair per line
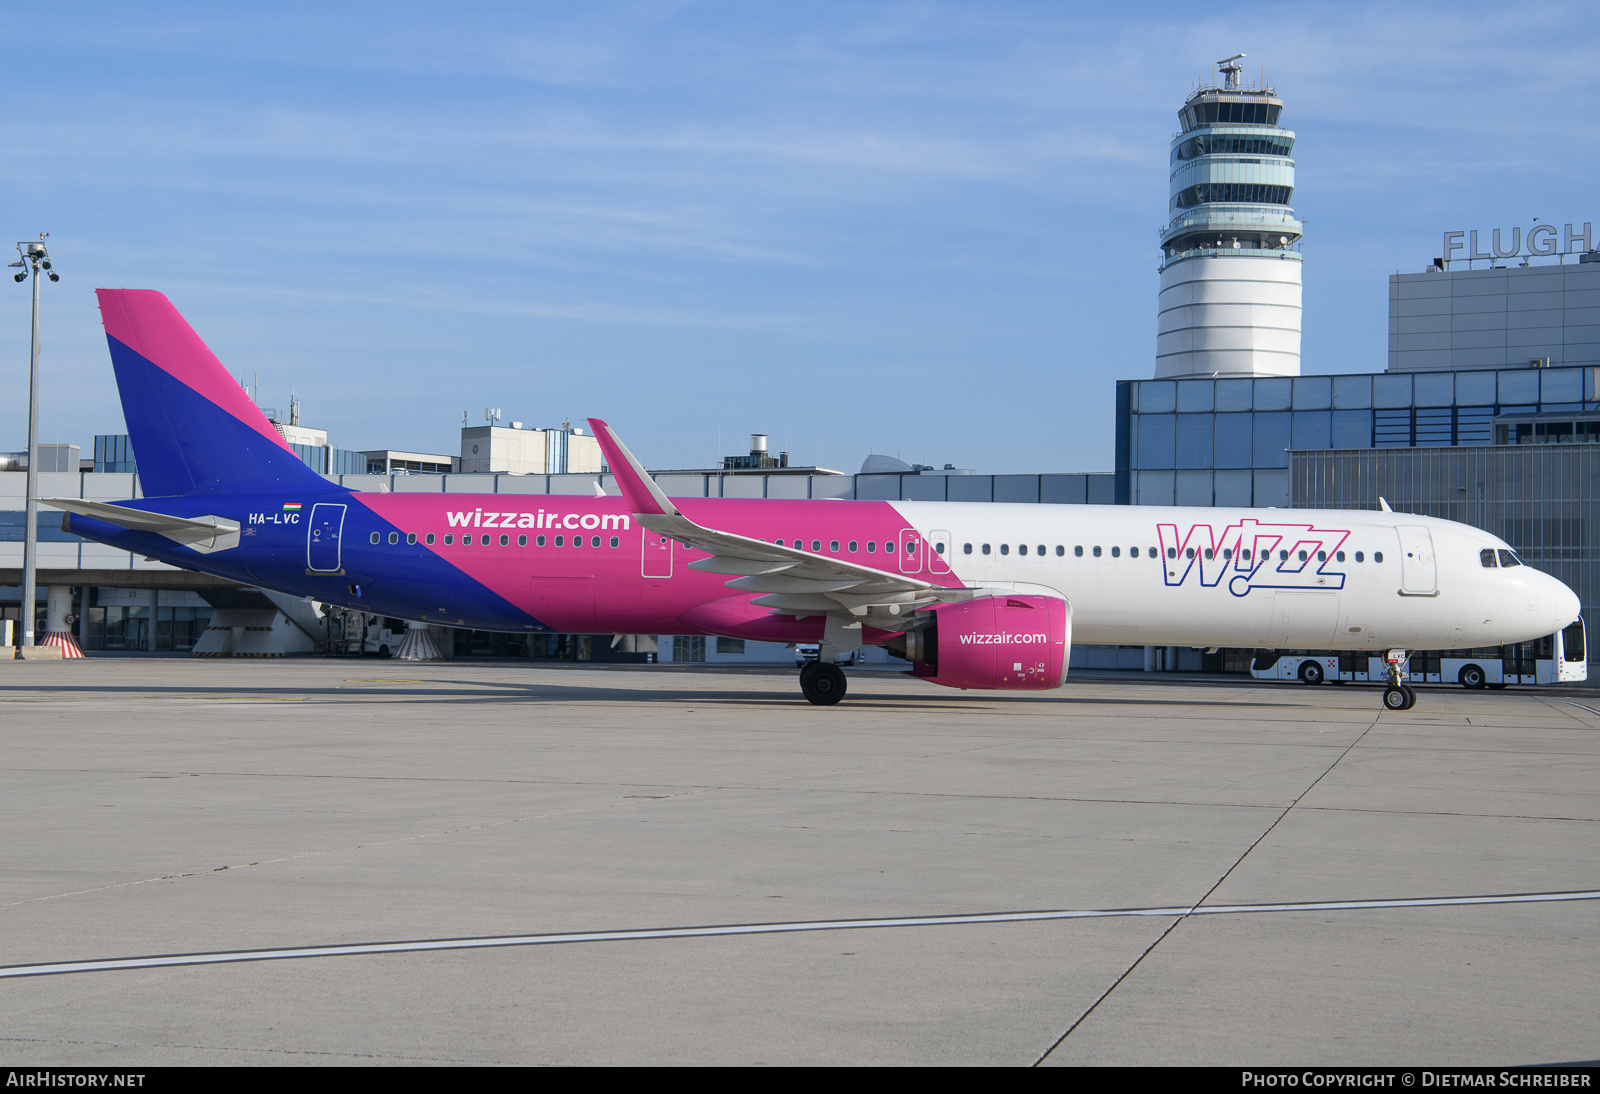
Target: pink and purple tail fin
x,y
192,427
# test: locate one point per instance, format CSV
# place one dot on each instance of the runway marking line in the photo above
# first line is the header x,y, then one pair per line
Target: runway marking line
x,y
736,929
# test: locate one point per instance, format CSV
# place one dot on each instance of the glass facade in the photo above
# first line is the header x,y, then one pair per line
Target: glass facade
x,y
126,627
1227,441
112,452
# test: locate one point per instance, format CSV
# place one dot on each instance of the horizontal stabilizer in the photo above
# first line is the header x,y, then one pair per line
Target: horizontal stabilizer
x,y
205,533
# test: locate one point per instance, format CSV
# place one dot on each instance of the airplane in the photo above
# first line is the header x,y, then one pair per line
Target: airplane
x,y
970,595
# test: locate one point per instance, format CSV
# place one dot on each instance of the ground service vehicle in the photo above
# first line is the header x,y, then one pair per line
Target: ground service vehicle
x,y
1557,658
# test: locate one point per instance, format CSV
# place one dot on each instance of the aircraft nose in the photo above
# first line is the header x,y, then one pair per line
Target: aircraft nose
x,y
1568,606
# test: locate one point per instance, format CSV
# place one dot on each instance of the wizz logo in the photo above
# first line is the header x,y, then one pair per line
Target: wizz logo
x,y
1253,555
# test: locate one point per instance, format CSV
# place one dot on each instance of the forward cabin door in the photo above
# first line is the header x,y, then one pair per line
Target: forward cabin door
x,y
1419,573
322,538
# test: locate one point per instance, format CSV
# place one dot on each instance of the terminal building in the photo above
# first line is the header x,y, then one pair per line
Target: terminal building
x,y
1491,389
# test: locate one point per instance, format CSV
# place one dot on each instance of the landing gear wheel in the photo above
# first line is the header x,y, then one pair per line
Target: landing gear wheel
x,y
1311,673
1411,695
1398,698
822,684
1472,677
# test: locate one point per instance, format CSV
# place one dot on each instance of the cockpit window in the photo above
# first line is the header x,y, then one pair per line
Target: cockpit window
x,y
1486,556
1509,558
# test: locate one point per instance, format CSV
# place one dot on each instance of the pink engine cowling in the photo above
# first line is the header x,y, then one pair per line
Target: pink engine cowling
x,y
1012,643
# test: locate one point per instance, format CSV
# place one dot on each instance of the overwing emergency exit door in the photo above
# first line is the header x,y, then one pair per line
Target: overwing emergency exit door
x,y
656,557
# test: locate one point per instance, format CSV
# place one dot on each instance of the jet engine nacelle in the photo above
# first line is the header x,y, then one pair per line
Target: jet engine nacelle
x,y
1012,643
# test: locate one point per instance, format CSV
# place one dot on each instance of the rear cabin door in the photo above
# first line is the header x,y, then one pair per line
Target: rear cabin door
x,y
322,538
939,544
1419,573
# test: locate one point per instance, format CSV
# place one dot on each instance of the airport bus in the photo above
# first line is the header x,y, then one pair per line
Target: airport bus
x,y
1557,658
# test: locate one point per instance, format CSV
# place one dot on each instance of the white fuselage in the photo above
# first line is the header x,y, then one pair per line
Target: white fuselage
x,y
1280,578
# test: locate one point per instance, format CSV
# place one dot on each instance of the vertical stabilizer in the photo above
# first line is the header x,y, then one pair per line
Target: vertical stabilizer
x,y
193,429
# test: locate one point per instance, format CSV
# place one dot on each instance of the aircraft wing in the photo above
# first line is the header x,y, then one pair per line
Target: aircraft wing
x,y
795,582
206,531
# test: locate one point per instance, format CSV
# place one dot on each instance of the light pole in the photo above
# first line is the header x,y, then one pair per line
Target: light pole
x,y
35,259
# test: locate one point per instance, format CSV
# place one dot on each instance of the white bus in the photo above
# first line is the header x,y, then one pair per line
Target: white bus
x,y
1554,659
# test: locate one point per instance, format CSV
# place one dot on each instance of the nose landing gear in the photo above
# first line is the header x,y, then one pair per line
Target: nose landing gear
x,y
822,683
1398,695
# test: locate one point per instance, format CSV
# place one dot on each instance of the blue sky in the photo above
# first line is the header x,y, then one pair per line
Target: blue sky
x,y
926,229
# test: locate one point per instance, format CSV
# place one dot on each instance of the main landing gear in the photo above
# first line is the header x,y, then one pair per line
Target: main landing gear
x,y
822,683
1398,695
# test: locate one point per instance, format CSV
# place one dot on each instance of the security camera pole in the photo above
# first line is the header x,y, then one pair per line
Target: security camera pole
x,y
35,256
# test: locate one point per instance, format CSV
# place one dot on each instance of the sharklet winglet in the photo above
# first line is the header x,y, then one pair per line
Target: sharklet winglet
x,y
639,490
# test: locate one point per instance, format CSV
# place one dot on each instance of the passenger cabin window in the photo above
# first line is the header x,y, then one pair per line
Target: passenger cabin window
x,y
1116,552
1172,552
1133,552
1077,552
1097,552
872,546
1039,550
853,546
375,537
939,547
966,548
1060,551
449,539
411,537
833,545
538,541
1507,558
522,541
985,548
505,541
1022,549
430,539
1005,548
1377,556
1486,558
1359,557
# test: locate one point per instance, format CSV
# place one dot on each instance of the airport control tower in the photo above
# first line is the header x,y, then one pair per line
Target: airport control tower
x,y
1230,268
